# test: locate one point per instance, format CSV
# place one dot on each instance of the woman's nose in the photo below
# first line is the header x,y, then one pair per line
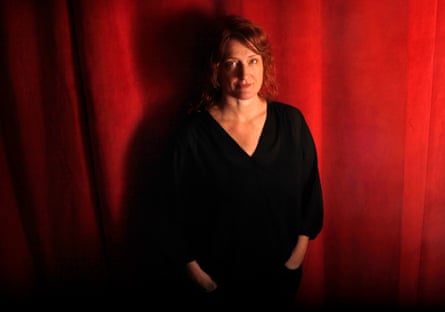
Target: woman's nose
x,y
242,70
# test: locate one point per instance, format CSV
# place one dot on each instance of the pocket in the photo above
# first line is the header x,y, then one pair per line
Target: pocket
x,y
290,279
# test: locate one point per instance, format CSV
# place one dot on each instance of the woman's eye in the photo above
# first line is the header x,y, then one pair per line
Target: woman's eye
x,y
230,65
253,61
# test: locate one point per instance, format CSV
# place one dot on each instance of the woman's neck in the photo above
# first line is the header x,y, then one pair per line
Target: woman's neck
x,y
241,110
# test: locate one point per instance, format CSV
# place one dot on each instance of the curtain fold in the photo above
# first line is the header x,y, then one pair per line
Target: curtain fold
x,y
91,91
421,45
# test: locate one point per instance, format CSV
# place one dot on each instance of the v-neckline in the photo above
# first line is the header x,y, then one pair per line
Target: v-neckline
x,y
234,142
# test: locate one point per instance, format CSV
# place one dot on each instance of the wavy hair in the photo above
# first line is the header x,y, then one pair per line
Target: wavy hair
x,y
252,36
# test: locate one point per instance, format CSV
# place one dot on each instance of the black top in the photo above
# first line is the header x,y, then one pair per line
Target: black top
x,y
231,211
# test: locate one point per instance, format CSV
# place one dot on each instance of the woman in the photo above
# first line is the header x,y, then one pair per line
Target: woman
x,y
245,196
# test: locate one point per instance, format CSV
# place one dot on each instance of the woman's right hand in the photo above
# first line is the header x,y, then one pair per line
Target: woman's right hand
x,y
200,277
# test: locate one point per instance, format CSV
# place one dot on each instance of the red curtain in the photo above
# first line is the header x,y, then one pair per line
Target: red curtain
x,y
90,91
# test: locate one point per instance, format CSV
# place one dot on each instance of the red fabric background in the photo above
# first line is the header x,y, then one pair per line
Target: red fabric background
x,y
91,89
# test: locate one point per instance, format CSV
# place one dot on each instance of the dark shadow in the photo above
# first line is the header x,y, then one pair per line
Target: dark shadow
x,y
170,54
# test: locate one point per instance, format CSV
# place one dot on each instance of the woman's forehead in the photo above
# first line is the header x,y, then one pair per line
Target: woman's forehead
x,y
236,48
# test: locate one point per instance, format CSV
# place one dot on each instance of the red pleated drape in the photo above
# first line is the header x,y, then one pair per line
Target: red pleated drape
x,y
90,91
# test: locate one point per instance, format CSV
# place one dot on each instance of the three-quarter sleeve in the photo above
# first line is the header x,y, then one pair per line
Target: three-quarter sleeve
x,y
312,199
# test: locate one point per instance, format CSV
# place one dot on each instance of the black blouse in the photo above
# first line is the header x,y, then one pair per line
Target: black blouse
x,y
228,209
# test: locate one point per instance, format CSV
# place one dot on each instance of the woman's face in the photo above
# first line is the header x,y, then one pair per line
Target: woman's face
x,y
240,74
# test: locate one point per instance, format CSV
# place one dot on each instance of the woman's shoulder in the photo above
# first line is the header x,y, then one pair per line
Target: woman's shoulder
x,y
191,124
286,109
195,119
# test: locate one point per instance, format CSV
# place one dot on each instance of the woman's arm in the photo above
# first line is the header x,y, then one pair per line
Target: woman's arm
x,y
296,258
200,277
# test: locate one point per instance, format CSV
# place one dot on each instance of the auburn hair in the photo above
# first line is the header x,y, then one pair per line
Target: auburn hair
x,y
252,36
